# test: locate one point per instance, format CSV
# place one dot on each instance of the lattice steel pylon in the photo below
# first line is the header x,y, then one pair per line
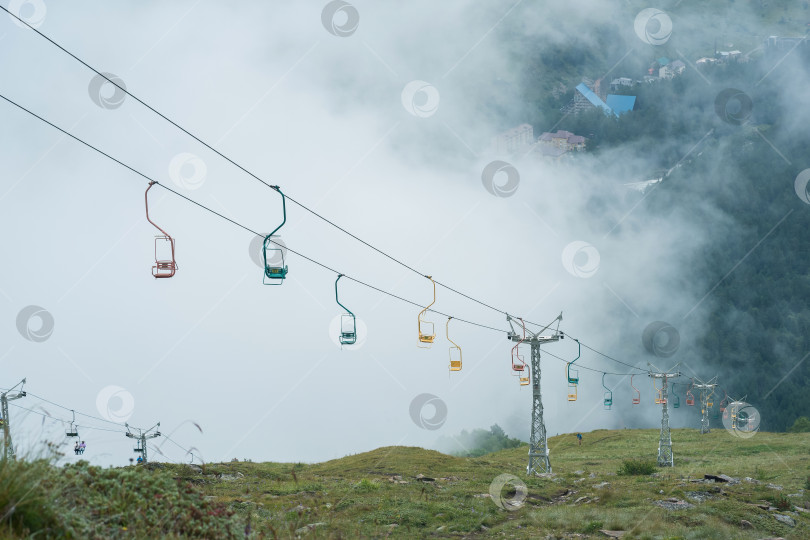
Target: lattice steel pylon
x,y
538,444
706,391
5,397
665,455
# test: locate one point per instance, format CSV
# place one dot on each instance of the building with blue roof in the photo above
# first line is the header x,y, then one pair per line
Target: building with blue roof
x,y
585,98
591,97
620,104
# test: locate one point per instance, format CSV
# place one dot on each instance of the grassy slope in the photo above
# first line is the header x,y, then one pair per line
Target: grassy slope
x,y
353,496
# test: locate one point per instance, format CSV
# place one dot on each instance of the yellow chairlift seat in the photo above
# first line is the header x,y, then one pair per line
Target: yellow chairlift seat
x,y
572,392
524,377
426,336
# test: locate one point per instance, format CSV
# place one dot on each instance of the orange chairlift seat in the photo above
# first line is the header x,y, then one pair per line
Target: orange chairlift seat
x,y
724,405
523,372
427,332
455,350
637,397
165,263
690,398
518,364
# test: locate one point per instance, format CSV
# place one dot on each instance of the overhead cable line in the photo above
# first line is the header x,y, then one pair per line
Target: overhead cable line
x,y
72,410
132,169
248,172
606,356
55,418
590,368
266,184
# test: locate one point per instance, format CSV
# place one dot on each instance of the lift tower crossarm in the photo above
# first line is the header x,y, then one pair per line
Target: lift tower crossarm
x,y
142,437
538,445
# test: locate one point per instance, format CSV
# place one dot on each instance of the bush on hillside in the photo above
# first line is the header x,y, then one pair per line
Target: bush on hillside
x,y
637,467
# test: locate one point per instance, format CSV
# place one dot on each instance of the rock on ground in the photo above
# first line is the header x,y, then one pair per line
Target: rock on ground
x,y
787,520
673,504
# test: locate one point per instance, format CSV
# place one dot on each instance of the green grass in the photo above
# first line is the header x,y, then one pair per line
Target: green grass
x,y
354,497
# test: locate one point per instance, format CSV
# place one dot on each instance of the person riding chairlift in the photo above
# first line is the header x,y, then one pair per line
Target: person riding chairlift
x,y
76,448
140,460
81,448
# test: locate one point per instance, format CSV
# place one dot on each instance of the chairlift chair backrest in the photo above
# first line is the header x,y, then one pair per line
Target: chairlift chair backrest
x,y
165,265
608,396
348,322
518,364
275,273
454,351
425,328
525,376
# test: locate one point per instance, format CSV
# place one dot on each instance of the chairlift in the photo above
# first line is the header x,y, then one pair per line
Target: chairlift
x,y
165,264
518,363
659,397
690,398
455,350
524,376
426,330
608,398
637,397
348,323
573,375
73,430
677,403
724,405
274,274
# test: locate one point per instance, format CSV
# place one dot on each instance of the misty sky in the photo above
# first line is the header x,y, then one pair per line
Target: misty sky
x,y
324,117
